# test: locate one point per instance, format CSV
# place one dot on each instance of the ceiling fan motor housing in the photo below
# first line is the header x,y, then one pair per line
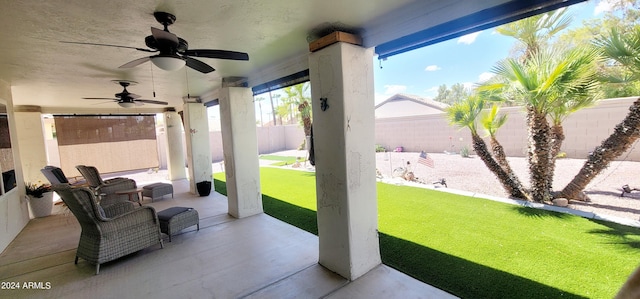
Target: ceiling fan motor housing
x,y
152,43
164,18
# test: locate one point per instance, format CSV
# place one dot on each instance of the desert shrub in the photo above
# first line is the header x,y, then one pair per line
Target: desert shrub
x,y
464,152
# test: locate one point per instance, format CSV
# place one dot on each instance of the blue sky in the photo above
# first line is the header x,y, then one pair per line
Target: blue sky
x,y
466,60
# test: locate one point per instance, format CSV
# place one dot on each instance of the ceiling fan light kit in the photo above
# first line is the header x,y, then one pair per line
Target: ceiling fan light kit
x,y
168,63
126,104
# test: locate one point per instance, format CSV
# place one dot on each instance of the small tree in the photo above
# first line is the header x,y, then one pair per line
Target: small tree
x,y
550,85
457,93
464,114
296,103
624,50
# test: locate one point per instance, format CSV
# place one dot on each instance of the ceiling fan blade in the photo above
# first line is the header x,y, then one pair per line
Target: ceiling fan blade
x,y
198,65
219,54
113,99
151,102
164,37
134,63
114,46
100,103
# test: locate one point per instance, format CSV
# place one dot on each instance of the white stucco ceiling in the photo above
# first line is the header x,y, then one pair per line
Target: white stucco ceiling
x,y
45,72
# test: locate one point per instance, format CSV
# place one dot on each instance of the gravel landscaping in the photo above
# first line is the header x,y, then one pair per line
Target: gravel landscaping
x,y
470,174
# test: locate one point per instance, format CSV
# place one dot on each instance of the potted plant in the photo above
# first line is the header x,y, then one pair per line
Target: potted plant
x,y
40,199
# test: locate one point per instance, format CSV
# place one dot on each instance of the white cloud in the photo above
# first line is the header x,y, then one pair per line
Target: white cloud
x,y
485,76
469,85
469,38
389,90
432,68
603,6
393,89
432,91
379,98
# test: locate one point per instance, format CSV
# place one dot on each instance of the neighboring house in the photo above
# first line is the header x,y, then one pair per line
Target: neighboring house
x,y
401,105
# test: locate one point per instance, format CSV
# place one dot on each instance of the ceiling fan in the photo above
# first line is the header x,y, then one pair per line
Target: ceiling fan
x,y
173,51
126,99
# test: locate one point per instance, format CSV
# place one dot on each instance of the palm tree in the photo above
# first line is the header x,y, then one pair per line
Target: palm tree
x,y
259,100
582,92
273,107
491,122
294,97
535,32
624,50
297,102
464,114
549,84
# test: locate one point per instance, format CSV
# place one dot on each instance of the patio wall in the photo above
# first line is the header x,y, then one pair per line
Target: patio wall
x,y
584,130
270,139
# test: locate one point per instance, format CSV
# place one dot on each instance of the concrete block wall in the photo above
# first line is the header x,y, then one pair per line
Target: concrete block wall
x,y
270,139
584,130
430,133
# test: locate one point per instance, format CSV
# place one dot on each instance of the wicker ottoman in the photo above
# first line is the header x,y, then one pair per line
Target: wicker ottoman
x,y
157,190
173,220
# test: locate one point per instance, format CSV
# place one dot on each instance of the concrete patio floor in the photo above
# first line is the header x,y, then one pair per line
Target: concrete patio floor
x,y
253,257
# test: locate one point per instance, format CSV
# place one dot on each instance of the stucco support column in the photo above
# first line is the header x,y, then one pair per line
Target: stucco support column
x,y
343,132
240,147
198,150
30,137
175,153
14,211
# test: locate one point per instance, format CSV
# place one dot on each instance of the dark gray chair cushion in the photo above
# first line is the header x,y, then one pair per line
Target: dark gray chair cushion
x,y
166,215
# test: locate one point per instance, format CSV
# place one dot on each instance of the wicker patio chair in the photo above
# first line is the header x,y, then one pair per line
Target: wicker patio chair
x,y
111,232
107,189
55,175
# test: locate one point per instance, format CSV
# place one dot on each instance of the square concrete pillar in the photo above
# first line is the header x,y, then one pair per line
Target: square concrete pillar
x,y
344,133
198,151
30,137
175,152
240,147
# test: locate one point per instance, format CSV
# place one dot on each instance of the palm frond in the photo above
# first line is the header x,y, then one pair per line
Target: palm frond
x,y
491,122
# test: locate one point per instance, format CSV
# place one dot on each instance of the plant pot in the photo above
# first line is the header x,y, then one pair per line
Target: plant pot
x,y
204,188
41,206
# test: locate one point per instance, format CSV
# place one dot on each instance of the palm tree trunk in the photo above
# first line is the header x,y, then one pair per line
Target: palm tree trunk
x,y
305,114
498,153
500,157
557,137
273,108
538,155
623,136
510,183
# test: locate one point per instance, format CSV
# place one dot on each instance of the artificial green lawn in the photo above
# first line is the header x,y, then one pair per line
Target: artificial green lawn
x,y
476,248
281,160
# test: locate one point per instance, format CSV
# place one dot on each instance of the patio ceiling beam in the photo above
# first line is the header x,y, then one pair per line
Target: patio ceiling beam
x,y
465,24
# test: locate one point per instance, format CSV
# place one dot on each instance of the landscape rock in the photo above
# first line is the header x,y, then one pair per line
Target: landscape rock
x,y
561,202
